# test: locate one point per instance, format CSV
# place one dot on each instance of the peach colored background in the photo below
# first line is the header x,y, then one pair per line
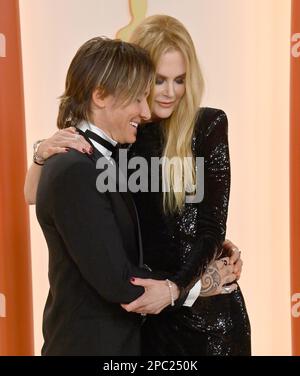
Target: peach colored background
x,y
295,176
243,46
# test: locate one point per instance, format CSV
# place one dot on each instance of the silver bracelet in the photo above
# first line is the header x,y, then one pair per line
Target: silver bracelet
x,y
171,292
36,158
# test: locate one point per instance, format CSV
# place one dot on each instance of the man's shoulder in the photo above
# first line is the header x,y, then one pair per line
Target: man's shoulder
x,y
68,159
70,163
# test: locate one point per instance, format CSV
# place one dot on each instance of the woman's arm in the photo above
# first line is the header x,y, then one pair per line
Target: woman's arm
x,y
31,183
58,143
211,222
217,274
212,210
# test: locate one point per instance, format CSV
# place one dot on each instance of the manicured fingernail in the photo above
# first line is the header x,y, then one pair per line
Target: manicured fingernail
x,y
132,279
90,151
67,149
84,150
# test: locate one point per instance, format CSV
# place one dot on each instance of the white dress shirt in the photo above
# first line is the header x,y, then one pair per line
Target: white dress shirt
x,y
84,125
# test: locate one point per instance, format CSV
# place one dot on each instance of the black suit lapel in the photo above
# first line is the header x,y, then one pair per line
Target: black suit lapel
x,y
126,196
135,218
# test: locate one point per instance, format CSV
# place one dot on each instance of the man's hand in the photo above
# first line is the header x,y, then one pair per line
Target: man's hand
x,y
155,298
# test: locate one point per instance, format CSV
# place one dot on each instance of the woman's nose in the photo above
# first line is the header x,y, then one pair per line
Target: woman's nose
x,y
170,89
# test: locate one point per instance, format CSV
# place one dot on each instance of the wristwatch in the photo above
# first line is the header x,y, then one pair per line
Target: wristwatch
x,y
36,158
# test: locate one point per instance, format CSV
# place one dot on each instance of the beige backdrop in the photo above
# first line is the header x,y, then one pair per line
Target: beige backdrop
x,y
243,46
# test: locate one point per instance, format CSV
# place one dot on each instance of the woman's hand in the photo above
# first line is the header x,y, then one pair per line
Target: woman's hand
x,y
61,141
231,250
58,143
155,298
218,274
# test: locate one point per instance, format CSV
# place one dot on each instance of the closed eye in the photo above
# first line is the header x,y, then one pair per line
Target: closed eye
x,y
159,80
180,80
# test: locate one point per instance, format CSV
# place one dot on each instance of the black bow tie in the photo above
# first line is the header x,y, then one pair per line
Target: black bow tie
x,y
114,149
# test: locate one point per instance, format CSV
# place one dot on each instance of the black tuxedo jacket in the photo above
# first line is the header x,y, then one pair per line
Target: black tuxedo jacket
x,y
94,249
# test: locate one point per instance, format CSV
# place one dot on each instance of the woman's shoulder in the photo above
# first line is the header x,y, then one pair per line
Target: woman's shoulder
x,y
209,120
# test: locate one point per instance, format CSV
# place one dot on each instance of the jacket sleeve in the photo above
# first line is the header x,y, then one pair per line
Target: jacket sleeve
x,y
212,210
87,225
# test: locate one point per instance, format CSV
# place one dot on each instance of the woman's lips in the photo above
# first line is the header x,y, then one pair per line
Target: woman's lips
x,y
166,104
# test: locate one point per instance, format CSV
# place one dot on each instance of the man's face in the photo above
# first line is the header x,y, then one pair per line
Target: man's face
x,y
121,121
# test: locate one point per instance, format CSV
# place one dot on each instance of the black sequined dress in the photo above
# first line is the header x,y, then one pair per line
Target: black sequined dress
x,y
184,243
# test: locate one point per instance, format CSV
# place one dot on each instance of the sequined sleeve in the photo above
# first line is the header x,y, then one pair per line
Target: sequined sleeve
x,y
202,226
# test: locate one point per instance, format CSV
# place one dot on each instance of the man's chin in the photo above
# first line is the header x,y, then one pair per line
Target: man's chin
x,y
129,140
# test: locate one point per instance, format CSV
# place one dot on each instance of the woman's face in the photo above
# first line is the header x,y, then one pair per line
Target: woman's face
x,y
169,84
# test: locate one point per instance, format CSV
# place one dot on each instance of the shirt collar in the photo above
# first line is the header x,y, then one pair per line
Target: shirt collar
x,y
84,125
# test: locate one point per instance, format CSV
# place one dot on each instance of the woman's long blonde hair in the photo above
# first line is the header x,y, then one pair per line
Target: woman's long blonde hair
x,y
157,35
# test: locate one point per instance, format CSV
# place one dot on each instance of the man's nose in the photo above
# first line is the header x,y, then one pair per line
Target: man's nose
x,y
145,112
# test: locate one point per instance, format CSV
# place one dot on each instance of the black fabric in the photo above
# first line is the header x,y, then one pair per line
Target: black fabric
x,y
113,148
185,243
100,140
93,252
